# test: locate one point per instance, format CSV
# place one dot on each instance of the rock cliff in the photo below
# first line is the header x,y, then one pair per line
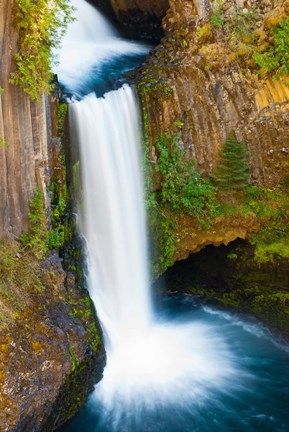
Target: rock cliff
x,y
24,137
201,84
50,346
137,17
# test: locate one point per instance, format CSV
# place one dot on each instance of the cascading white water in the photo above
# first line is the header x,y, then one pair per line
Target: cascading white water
x,y
89,44
112,220
148,361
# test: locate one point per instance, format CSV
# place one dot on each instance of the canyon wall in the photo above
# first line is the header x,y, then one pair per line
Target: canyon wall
x,y
50,345
138,18
202,84
24,137
156,8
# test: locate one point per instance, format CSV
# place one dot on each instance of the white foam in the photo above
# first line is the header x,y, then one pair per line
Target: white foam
x,y
89,41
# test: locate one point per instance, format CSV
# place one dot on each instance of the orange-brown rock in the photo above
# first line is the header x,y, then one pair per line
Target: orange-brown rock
x,y
196,85
224,230
201,83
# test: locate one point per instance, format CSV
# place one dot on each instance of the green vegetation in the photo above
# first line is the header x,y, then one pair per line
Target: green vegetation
x,y
36,239
3,143
233,169
237,281
154,82
40,24
62,110
74,359
217,18
39,239
182,187
229,36
276,58
61,227
19,275
204,31
83,310
269,209
59,222
183,191
242,25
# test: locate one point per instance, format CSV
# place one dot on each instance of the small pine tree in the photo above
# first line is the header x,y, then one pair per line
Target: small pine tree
x,y
233,169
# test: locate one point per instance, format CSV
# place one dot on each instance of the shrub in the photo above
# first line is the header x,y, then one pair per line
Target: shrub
x,y
276,59
233,169
40,24
217,18
36,239
182,187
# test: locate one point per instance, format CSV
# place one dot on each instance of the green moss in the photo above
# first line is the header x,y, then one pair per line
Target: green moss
x,y
74,359
154,83
204,32
62,110
268,252
60,230
236,281
3,143
84,310
62,227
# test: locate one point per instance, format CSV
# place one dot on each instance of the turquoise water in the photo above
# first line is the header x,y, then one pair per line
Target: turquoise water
x,y
256,399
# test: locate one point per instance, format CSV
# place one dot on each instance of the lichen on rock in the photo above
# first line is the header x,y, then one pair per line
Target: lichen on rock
x,y
48,336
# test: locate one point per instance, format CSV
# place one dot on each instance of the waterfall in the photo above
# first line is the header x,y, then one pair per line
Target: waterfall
x,y
113,221
143,353
93,56
192,372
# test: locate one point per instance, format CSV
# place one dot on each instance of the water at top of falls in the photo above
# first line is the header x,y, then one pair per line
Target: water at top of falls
x,y
93,55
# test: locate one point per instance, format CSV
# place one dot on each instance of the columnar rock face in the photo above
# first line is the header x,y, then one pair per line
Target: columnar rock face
x,y
155,8
23,137
199,84
142,17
